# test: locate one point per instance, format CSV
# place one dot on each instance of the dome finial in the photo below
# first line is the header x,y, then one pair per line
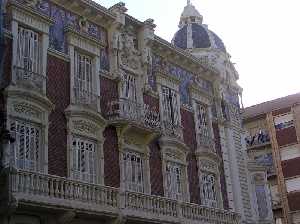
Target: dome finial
x,y
188,2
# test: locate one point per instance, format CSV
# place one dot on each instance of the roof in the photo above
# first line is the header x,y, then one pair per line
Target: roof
x,y
266,107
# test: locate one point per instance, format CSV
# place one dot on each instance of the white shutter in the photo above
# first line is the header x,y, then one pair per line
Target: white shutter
x,y
175,108
167,113
84,159
133,171
27,145
28,50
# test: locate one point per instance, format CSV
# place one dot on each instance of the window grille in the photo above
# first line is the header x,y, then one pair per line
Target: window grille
x,y
129,87
208,190
174,180
170,107
133,171
26,149
262,204
83,78
84,160
28,50
202,120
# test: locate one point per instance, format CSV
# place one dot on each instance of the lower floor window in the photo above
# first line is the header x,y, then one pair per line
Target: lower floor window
x,y
25,151
173,180
208,190
84,159
133,171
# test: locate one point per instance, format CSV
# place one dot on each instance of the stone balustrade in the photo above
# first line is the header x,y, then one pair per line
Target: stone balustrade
x,y
126,109
36,188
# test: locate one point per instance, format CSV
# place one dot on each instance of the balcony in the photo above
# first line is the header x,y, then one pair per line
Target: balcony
x,y
29,79
125,110
260,139
205,142
86,98
36,189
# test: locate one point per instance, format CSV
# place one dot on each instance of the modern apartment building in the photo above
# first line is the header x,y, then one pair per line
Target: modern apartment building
x,y
273,141
105,122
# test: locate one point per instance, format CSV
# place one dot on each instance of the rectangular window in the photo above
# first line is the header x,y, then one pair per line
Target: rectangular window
x,y
26,149
133,171
170,107
83,78
208,190
202,120
129,87
173,180
28,50
84,160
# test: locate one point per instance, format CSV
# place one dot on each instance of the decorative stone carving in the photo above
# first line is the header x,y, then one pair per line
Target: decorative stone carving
x,y
207,165
27,110
129,56
85,127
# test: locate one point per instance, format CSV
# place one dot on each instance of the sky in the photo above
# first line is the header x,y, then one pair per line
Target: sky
x,y
262,37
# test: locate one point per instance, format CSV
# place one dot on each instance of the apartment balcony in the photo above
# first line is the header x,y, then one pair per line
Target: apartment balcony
x,y
29,79
52,192
260,139
128,111
86,98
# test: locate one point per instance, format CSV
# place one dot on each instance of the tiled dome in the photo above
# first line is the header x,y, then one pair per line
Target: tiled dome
x,y
193,34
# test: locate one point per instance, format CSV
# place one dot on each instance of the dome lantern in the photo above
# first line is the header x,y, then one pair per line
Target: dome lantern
x,y
190,15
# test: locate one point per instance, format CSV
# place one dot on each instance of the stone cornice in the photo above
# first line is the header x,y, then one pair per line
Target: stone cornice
x,y
88,8
84,42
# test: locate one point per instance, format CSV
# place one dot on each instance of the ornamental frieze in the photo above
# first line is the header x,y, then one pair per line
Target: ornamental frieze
x,y
85,127
26,110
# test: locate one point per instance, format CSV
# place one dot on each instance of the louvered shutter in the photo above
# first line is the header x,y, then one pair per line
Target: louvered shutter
x,y
175,108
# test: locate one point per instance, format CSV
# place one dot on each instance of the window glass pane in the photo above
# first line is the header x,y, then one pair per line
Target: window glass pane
x,y
173,180
208,190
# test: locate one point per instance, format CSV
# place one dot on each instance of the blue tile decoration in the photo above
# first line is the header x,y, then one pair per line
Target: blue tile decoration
x,y
218,42
180,39
200,36
186,78
63,18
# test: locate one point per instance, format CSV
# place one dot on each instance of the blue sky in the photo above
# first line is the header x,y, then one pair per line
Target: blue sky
x,y
262,36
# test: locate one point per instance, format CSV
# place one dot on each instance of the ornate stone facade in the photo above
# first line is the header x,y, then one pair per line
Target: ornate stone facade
x,y
123,126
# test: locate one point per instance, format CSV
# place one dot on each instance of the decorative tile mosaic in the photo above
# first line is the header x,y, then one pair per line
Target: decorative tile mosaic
x,y
186,78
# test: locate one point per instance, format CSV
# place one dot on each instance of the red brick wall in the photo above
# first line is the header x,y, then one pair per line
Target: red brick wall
x,y
7,63
291,167
294,201
189,137
108,92
58,91
155,163
7,59
111,157
221,167
286,136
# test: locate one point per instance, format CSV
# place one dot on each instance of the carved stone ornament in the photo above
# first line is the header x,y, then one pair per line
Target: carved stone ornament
x,y
27,110
207,165
32,3
129,56
85,127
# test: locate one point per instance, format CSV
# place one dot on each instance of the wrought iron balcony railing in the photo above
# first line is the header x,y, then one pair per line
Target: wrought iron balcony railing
x,y
87,98
131,111
47,190
29,79
260,138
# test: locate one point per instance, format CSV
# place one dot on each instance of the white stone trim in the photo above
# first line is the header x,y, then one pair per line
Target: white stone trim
x,y
29,110
22,16
290,152
88,126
